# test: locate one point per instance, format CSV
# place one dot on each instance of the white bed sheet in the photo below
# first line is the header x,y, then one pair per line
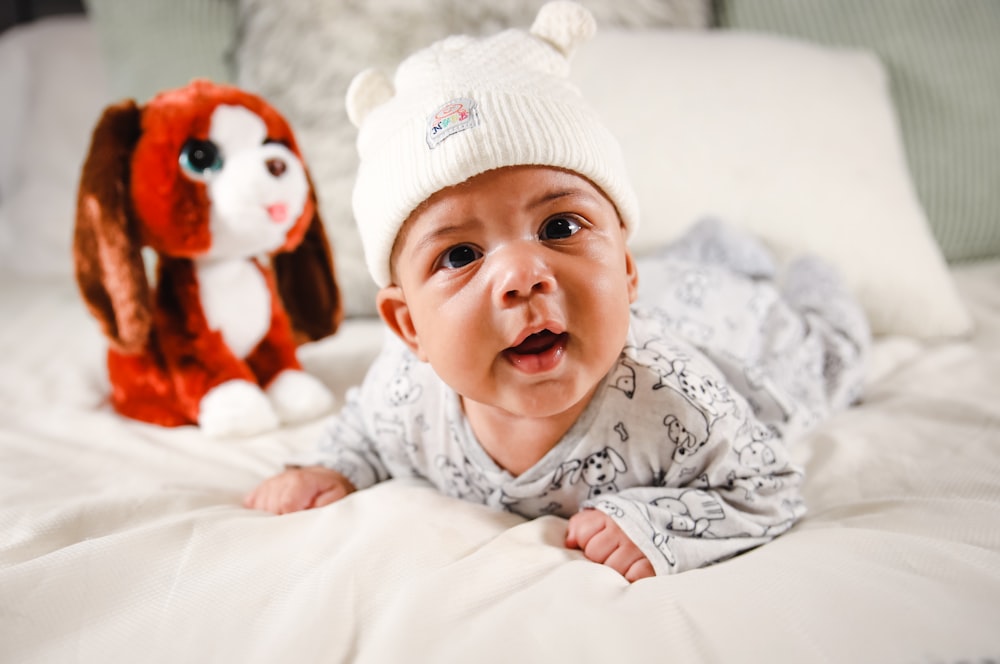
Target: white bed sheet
x,y
125,542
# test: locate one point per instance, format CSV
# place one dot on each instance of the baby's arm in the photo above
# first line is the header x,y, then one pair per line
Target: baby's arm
x,y
720,481
603,541
738,491
299,489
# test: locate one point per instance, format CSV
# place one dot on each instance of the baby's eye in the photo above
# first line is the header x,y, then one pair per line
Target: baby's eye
x,y
459,256
559,228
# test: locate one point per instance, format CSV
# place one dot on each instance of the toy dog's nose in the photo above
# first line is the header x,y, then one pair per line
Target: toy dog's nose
x,y
276,166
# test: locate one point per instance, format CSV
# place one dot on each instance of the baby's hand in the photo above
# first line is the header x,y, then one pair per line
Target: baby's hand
x,y
602,540
299,489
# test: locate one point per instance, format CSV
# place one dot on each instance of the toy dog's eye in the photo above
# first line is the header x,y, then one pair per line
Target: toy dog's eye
x,y
200,158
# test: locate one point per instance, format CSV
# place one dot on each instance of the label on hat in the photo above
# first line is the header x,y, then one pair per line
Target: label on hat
x,y
450,118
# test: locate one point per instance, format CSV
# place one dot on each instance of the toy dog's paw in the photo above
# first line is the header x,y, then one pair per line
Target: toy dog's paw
x,y
297,397
236,408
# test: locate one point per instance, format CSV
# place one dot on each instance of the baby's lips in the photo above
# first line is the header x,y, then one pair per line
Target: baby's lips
x,y
537,342
539,353
539,334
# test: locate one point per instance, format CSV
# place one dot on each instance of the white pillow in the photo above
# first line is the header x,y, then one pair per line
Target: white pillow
x,y
52,91
796,142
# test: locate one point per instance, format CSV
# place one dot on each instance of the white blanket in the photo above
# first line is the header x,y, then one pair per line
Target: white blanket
x,y
125,542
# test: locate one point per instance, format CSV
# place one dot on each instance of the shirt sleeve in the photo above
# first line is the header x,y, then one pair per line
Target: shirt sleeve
x,y
348,443
346,447
683,528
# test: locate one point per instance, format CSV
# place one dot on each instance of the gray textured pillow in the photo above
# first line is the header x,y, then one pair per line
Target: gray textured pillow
x,y
302,55
943,60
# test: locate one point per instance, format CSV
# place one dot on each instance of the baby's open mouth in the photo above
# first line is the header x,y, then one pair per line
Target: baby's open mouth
x,y
539,352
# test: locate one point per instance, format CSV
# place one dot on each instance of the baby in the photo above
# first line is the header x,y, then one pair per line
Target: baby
x,y
495,211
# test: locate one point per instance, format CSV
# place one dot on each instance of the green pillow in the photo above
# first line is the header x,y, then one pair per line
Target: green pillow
x,y
154,45
943,60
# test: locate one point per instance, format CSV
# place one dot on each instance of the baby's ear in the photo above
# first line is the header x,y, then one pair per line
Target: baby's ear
x,y
632,270
392,307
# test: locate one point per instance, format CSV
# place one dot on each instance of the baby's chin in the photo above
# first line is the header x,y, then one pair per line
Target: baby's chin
x,y
541,401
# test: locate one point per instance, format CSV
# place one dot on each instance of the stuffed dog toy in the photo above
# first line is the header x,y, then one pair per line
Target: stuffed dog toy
x,y
209,180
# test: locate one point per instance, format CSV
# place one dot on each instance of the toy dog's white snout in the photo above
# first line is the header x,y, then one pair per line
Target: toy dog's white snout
x,y
259,190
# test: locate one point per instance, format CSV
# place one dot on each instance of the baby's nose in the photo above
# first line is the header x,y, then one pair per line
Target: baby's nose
x,y
522,271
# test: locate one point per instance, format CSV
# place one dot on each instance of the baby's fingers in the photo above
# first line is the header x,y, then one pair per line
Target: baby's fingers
x,y
250,500
640,569
292,497
278,495
602,541
582,527
330,496
263,499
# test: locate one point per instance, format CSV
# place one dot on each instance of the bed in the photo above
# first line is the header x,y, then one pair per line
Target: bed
x,y
122,541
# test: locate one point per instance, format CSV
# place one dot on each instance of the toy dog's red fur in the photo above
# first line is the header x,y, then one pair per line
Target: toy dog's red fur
x,y
164,356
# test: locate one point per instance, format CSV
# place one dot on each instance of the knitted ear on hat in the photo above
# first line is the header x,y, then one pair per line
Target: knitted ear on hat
x,y
367,90
565,25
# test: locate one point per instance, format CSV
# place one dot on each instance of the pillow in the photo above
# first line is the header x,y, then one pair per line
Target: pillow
x,y
943,60
153,45
302,55
796,142
45,138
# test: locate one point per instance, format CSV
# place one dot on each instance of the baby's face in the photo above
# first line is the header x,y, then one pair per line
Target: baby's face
x,y
516,287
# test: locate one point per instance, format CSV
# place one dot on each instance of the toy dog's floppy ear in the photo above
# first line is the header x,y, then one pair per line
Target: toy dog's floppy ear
x,y
106,244
307,282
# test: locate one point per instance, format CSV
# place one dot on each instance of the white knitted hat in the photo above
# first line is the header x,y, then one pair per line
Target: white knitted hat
x,y
464,106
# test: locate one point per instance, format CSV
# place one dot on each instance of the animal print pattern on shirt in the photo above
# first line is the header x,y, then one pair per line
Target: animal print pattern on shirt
x,y
684,445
